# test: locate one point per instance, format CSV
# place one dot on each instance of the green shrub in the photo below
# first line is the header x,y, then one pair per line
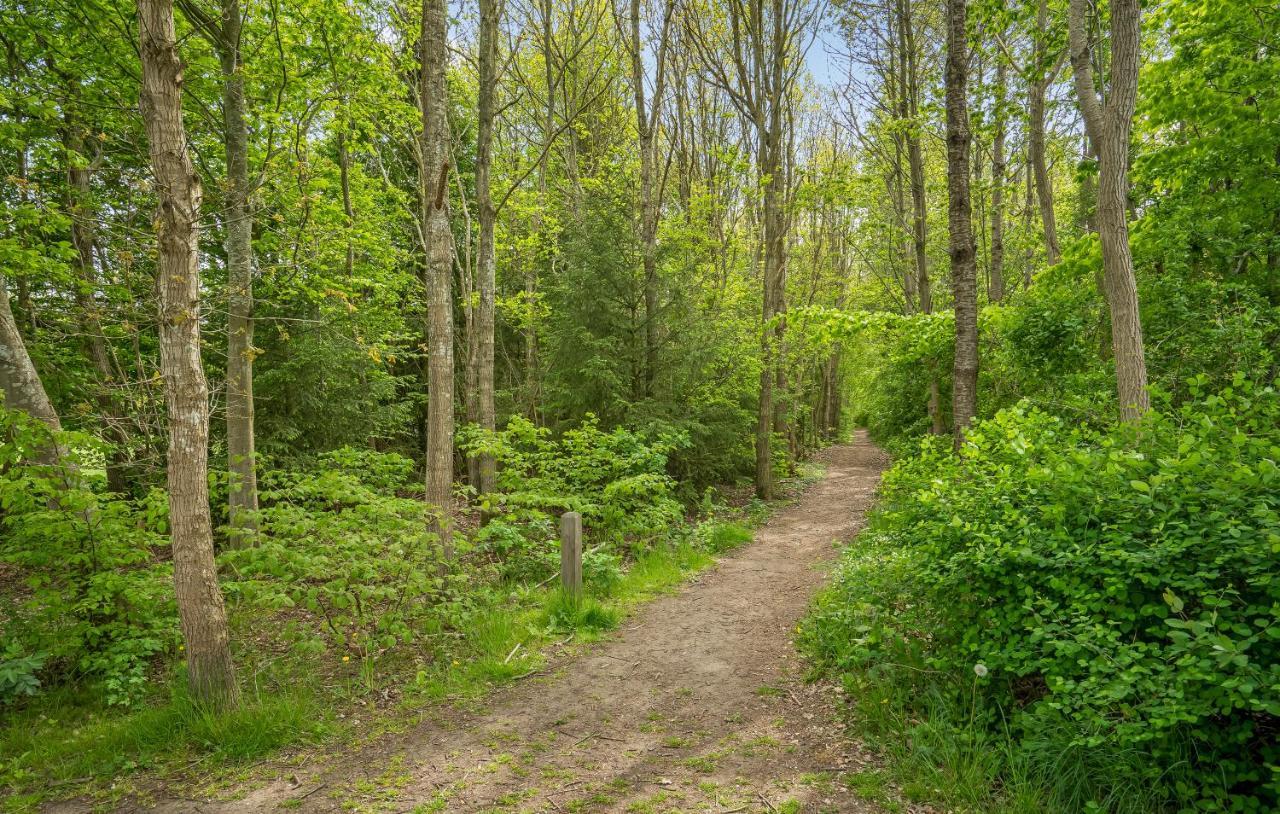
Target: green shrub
x,y
616,479
1115,587
360,561
96,599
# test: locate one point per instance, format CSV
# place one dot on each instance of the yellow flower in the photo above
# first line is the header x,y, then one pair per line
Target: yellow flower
x,y
346,658
182,647
456,662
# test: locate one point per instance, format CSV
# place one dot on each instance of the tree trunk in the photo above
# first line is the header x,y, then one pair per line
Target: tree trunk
x,y
998,169
920,221
964,284
1038,85
80,196
238,245
439,266
19,380
486,471
200,606
1109,126
647,136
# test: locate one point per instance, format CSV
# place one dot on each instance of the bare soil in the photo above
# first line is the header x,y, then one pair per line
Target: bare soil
x,y
696,705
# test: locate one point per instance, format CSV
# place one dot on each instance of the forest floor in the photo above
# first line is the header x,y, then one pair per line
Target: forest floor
x,y
697,704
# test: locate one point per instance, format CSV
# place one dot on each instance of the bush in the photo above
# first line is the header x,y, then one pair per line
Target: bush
x,y
337,542
96,599
616,479
1115,587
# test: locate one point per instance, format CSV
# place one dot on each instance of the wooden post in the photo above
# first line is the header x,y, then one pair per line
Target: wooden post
x,y
571,553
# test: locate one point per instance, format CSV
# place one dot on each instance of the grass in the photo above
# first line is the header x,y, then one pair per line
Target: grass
x,y
66,743
92,744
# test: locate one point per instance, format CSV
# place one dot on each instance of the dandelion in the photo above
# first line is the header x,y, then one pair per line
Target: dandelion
x,y
980,670
346,658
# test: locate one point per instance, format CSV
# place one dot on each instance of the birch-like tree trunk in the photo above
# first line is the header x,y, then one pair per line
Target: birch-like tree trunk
x,y
1109,125
486,271
919,204
998,170
238,244
434,180
201,611
1038,81
964,284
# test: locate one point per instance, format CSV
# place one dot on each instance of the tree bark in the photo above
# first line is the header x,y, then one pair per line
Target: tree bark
x,y
19,380
238,245
959,219
646,128
486,471
919,204
83,239
200,606
1038,85
998,170
438,236
1109,126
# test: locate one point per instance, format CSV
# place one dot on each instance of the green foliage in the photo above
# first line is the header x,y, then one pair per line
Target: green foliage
x,y
96,594
338,543
616,479
1114,588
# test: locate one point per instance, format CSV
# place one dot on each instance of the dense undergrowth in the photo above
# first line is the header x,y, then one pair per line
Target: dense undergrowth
x,y
341,614
1068,619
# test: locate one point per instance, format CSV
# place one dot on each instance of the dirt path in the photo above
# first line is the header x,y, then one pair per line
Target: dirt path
x,y
696,705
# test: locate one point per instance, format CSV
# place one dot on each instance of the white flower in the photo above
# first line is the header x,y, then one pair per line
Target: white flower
x,y
980,670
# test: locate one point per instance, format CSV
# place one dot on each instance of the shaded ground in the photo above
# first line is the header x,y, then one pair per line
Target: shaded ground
x,y
695,706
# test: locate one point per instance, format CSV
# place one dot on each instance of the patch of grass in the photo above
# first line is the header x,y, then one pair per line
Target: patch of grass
x,y
64,744
564,612
719,537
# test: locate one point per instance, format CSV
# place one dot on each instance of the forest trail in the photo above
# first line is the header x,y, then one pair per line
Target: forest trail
x,y
696,705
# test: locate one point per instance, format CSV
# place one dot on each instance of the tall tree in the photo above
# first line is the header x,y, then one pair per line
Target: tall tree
x,y
486,263
1109,124
756,63
964,284
647,118
1040,74
911,92
998,170
225,32
200,605
433,46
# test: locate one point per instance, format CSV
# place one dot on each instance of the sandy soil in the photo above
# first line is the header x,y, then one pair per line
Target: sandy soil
x,y
696,705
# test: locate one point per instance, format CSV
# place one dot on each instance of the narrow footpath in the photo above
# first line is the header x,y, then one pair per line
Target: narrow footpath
x,y
695,705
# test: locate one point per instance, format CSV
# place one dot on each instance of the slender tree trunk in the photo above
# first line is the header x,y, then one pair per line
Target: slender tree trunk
x,y
770,168
19,380
919,204
238,245
1038,85
1028,260
486,267
998,170
439,264
897,56
348,209
964,284
647,136
200,606
1109,126
80,197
